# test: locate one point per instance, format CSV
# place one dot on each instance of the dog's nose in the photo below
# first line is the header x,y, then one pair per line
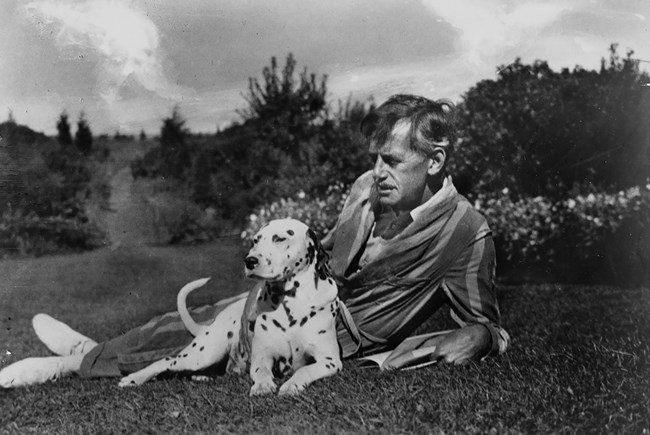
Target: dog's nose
x,y
251,262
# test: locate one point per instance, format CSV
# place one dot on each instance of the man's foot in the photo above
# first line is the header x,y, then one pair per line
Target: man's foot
x,y
32,371
59,337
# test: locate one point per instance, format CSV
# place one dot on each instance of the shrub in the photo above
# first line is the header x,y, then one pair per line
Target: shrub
x,y
543,132
319,213
29,234
43,207
598,237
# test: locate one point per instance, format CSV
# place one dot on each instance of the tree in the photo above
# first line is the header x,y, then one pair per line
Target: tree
x,y
541,132
83,137
283,108
174,150
63,128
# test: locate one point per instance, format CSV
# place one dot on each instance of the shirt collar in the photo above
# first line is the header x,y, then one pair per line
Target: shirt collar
x,y
434,200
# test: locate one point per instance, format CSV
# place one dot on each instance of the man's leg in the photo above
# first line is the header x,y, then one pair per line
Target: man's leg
x,y
163,336
59,337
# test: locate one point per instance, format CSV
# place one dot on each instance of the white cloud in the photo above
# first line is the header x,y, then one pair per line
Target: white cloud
x,y
489,29
125,41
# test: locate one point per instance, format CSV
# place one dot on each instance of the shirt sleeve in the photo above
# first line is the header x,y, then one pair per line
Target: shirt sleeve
x,y
471,290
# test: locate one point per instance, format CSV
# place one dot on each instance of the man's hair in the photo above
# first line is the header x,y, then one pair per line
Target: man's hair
x,y
432,123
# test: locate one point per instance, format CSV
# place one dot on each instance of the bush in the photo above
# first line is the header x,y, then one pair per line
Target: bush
x,y
319,213
542,132
43,206
31,234
598,237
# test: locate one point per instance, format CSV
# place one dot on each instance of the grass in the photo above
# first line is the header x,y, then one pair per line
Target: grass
x,y
578,361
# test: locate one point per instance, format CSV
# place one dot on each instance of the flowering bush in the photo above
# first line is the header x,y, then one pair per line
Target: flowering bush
x,y
586,236
599,237
319,213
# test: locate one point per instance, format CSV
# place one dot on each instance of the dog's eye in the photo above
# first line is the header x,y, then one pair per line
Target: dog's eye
x,y
277,239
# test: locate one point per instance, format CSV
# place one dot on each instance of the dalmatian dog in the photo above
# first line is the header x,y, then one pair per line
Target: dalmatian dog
x,y
289,318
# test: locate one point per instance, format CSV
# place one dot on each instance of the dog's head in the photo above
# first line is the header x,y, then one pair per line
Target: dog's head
x,y
283,248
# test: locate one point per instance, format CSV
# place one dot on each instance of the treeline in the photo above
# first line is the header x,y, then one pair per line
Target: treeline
x,y
556,160
289,139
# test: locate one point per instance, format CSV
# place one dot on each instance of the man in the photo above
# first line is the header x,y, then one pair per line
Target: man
x,y
405,244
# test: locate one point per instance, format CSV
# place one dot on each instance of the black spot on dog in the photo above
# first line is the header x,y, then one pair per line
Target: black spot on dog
x,y
304,320
329,358
290,232
185,356
263,316
322,331
292,322
168,358
312,314
297,263
207,332
194,344
230,334
263,326
257,370
201,348
277,324
296,284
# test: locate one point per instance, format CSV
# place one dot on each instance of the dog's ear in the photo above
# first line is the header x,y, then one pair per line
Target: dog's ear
x,y
317,253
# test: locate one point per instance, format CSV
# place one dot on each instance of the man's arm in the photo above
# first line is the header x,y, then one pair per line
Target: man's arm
x,y
471,293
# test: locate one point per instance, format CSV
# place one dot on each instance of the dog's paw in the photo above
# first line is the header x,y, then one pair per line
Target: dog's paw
x,y
131,381
290,388
200,378
266,387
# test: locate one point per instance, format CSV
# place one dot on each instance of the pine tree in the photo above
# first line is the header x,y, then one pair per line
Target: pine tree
x,y
83,137
63,128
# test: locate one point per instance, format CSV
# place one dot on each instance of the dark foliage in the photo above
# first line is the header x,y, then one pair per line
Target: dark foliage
x,y
42,206
289,140
83,136
541,132
63,128
172,158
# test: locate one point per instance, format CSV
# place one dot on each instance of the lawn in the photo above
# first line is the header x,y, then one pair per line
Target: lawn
x,y
578,361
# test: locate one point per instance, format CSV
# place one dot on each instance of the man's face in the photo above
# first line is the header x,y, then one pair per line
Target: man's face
x,y
400,174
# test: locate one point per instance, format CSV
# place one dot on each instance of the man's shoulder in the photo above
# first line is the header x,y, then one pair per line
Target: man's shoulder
x,y
362,187
470,218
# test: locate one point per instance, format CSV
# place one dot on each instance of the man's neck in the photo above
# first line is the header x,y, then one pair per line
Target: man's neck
x,y
431,188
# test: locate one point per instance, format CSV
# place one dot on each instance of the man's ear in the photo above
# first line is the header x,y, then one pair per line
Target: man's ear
x,y
437,161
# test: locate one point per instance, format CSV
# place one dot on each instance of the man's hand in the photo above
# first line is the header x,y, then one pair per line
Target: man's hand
x,y
469,343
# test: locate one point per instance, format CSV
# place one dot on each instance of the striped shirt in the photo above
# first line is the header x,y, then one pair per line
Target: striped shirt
x,y
441,253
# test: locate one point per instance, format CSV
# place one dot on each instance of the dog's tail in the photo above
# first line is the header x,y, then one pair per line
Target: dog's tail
x,y
190,324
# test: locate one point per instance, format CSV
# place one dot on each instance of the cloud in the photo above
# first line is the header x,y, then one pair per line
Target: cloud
x,y
489,29
123,39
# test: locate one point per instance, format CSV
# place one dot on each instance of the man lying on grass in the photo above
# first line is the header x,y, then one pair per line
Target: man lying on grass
x,y
405,244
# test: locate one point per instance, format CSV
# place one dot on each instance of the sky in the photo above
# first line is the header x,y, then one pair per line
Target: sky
x,y
127,63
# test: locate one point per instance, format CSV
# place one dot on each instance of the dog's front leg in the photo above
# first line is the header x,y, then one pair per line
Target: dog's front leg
x,y
261,373
326,362
326,366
